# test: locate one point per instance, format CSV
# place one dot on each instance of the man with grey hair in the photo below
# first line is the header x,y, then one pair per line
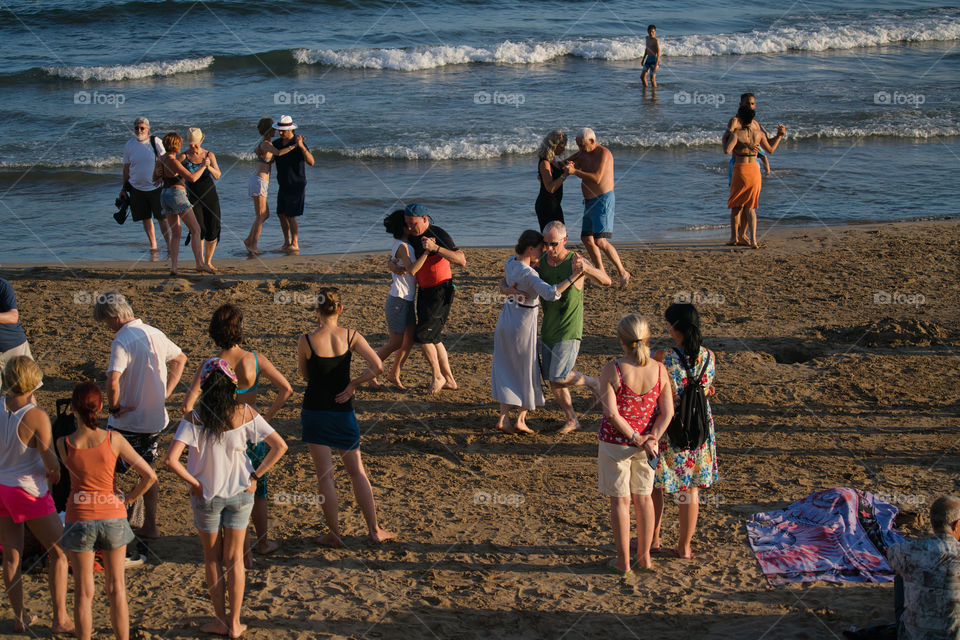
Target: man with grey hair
x,y
140,155
593,164
138,384
929,572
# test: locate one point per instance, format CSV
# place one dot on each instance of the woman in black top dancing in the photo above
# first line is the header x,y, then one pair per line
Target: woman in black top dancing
x,y
328,419
551,176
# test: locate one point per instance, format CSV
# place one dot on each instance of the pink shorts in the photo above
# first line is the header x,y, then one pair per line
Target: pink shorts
x,y
17,504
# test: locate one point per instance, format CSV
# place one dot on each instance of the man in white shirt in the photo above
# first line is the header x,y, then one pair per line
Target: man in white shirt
x,y
930,570
139,158
138,385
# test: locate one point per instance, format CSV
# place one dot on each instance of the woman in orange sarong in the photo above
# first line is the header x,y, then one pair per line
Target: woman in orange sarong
x,y
745,183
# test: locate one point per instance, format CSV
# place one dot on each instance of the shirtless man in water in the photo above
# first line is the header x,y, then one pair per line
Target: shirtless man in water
x,y
738,224
593,164
651,57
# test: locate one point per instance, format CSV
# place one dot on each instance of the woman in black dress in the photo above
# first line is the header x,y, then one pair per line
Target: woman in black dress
x,y
551,177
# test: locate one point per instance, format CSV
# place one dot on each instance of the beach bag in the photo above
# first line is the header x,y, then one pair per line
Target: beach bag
x,y
63,425
690,426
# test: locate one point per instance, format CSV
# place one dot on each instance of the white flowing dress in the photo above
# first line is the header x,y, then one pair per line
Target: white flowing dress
x,y
515,376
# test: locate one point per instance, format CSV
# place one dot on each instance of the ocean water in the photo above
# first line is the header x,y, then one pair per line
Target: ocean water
x,y
446,102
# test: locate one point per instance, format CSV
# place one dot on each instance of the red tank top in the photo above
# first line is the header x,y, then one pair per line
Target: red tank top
x,y
640,411
93,491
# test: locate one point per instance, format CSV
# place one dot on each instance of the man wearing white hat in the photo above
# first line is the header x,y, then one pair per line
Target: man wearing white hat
x,y
292,182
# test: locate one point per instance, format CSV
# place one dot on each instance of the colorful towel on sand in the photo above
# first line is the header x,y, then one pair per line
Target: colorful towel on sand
x,y
838,535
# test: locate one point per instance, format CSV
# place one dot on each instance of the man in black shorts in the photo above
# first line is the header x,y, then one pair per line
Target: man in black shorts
x,y
139,158
434,290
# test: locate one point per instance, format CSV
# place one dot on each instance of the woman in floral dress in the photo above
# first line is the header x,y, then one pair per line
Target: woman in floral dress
x,y
678,470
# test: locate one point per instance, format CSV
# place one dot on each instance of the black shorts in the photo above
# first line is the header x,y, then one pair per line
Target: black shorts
x,y
433,307
144,203
291,201
147,446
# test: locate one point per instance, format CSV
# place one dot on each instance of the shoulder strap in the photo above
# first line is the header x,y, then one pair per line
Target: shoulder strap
x,y
153,145
309,346
706,363
616,363
349,338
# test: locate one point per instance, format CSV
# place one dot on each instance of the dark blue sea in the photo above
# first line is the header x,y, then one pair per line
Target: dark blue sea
x,y
446,102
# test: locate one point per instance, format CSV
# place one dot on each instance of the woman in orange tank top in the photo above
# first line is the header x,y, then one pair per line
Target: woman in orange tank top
x,y
96,511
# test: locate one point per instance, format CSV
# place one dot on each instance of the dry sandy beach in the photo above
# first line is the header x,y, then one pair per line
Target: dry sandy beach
x,y
837,366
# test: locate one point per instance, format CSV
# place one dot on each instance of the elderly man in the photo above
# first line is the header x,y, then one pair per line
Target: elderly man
x,y
13,340
930,571
593,164
138,384
562,327
434,290
140,155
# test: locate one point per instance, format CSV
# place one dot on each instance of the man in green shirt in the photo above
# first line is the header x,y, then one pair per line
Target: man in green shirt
x,y
562,327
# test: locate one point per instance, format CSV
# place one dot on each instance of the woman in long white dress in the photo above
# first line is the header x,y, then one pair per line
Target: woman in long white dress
x,y
514,377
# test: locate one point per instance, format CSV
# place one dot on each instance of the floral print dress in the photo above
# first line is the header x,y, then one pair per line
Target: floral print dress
x,y
679,469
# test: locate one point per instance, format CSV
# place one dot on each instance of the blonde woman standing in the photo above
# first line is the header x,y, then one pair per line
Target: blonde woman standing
x,y
636,413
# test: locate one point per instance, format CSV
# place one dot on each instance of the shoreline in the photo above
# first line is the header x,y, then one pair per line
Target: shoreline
x,y
770,237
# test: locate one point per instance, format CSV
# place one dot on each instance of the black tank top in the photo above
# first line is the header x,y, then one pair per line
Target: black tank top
x,y
546,198
328,377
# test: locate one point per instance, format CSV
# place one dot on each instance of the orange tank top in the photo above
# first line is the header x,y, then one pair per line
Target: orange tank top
x,y
93,494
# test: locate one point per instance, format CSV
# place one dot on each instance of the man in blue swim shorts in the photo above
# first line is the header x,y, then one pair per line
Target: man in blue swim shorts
x,y
651,57
593,164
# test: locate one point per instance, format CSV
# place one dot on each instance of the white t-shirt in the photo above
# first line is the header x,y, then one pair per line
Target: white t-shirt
x,y
406,285
140,354
222,466
142,160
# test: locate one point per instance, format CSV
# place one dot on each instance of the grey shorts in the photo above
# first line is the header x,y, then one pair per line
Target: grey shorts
x,y
400,314
209,516
557,359
107,534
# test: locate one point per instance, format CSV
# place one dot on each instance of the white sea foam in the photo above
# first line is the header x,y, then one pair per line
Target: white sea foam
x,y
813,36
132,71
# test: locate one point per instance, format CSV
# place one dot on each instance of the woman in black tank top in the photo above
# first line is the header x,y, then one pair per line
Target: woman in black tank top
x,y
550,175
327,418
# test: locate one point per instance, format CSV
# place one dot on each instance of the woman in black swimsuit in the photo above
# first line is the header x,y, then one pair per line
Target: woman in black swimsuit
x,y
551,176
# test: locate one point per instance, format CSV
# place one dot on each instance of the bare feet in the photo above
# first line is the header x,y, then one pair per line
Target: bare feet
x,y
21,625
732,243
624,279
755,246
568,427
373,384
328,540
450,384
522,426
381,535
211,268
266,547
154,255
237,631
252,247
283,248
293,249
62,628
436,385
215,627
395,380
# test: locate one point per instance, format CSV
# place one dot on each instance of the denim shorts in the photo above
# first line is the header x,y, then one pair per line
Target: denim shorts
x,y
107,534
209,516
557,359
400,314
174,200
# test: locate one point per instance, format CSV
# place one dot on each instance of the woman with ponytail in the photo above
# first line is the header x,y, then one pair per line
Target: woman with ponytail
x,y
96,512
685,471
636,414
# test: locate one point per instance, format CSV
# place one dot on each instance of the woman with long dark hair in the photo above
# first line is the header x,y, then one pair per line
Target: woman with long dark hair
x,y
222,481
96,513
685,471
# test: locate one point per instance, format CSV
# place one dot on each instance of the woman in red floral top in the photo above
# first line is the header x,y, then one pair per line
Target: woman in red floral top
x,y
635,416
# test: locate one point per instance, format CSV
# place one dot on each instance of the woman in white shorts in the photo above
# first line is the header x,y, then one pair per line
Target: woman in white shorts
x,y
260,180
